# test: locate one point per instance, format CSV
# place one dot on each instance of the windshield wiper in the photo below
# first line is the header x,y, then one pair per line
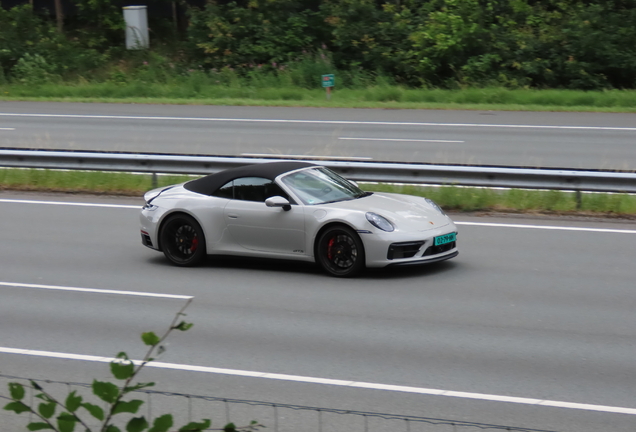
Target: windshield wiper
x,y
336,200
364,194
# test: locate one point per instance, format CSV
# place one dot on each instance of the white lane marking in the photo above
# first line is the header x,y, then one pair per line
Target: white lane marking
x,y
305,156
63,203
398,140
334,382
485,224
95,290
548,227
7,129
334,122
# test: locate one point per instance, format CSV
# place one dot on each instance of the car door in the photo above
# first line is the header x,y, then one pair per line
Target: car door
x,y
257,227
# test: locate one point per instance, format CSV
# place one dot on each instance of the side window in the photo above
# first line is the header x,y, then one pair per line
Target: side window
x,y
251,188
225,191
272,189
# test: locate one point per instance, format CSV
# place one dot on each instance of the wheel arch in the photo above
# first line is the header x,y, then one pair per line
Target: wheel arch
x,y
167,216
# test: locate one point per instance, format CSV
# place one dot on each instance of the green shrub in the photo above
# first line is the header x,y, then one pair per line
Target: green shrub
x,y
257,33
33,70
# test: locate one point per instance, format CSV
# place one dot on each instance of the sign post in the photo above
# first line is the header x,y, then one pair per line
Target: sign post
x,y
328,81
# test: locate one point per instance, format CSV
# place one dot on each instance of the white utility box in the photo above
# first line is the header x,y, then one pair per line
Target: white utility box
x,y
136,18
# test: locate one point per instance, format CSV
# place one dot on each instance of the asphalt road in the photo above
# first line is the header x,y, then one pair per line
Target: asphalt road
x,y
568,140
532,313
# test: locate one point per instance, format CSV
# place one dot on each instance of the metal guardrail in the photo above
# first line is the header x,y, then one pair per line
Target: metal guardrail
x,y
394,172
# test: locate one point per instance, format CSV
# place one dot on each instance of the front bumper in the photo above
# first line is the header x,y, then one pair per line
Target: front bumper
x,y
409,248
148,221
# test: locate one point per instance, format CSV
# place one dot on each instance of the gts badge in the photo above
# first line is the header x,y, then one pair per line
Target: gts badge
x,y
299,251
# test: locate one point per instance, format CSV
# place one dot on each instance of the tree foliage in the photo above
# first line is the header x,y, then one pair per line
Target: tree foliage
x,y
574,44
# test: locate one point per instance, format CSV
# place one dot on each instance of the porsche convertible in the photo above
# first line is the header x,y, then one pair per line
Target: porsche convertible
x,y
294,211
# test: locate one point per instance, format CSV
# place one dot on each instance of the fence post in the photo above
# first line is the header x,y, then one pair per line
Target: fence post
x,y
189,409
149,406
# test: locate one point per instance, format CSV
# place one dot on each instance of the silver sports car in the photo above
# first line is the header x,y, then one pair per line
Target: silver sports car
x,y
298,211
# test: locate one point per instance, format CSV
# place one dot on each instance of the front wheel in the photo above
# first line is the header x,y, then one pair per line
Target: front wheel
x,y
340,252
182,240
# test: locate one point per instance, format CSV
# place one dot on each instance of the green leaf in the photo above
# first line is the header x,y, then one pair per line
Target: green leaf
x,y
122,369
162,424
150,338
112,428
44,397
106,391
230,427
35,426
66,422
47,410
95,411
35,385
138,387
137,424
73,402
17,391
183,326
196,427
128,407
17,407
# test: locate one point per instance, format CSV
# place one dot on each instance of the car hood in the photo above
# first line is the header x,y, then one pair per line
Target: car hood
x,y
406,212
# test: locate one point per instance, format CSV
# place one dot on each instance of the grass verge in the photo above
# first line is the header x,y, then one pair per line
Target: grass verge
x,y
387,97
451,198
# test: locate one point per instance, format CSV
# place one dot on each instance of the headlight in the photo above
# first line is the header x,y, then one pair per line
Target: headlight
x,y
435,206
380,222
149,207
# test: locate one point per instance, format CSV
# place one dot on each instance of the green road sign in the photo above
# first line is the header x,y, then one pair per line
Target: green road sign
x,y
328,80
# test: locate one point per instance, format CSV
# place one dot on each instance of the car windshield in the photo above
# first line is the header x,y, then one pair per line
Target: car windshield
x,y
321,186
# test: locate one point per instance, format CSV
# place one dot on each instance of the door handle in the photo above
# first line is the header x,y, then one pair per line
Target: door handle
x,y
232,216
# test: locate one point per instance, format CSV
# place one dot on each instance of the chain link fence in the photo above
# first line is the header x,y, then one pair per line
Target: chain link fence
x,y
275,417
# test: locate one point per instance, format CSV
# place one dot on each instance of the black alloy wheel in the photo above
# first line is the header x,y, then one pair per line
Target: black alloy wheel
x,y
182,240
340,252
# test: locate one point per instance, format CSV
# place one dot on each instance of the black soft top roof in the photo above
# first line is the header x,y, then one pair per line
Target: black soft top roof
x,y
209,184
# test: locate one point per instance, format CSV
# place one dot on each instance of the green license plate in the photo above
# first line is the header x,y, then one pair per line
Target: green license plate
x,y
446,238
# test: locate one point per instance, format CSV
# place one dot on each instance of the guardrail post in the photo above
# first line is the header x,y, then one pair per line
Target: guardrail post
x,y
579,199
154,181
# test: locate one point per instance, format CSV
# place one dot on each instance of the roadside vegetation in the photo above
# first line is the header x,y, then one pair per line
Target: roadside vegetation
x,y
47,410
451,198
476,54
205,92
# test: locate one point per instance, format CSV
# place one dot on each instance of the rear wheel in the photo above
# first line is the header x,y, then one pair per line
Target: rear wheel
x,y
182,240
340,252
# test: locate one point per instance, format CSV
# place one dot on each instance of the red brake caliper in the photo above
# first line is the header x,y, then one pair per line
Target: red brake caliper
x,y
330,248
195,244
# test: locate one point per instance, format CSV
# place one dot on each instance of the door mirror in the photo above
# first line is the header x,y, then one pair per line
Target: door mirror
x,y
278,201
353,183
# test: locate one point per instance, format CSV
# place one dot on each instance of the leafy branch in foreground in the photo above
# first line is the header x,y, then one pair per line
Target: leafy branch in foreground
x,y
74,410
